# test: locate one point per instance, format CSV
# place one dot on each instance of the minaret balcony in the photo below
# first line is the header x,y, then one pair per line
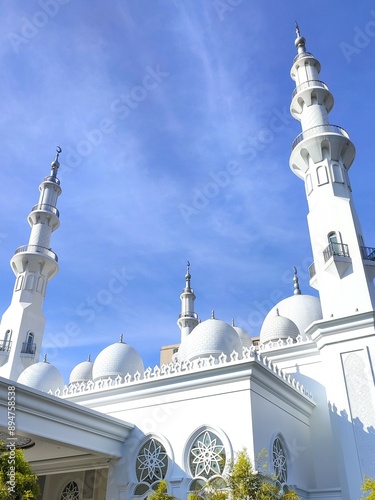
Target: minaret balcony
x,y
188,314
37,249
28,348
319,130
5,346
368,253
46,208
336,249
308,84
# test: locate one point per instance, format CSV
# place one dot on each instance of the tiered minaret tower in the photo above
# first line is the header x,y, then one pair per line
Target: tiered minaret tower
x,y
188,319
22,325
343,268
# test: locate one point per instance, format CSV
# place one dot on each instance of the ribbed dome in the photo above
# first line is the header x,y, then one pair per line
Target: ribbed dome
x,y
42,376
117,359
82,372
244,336
301,309
211,337
277,327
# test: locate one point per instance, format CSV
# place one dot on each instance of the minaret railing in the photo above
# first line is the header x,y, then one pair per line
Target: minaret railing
x,y
336,249
47,208
319,129
5,345
38,249
309,83
28,348
368,253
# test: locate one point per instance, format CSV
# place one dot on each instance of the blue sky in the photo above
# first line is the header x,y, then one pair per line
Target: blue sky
x,y
173,117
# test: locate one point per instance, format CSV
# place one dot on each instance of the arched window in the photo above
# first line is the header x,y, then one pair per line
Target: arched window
x,y
322,175
279,461
70,492
28,347
207,455
151,467
337,173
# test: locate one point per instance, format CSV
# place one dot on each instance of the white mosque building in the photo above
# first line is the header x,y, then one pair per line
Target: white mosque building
x,y
305,393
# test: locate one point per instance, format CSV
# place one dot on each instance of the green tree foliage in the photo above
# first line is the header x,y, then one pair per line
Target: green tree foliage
x,y
160,493
368,487
245,482
17,481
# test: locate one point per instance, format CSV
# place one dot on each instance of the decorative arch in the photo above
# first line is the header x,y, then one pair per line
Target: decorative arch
x,y
70,491
152,465
206,456
279,454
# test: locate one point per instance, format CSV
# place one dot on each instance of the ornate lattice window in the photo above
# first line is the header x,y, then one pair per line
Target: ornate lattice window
x,y
279,461
152,462
70,492
207,455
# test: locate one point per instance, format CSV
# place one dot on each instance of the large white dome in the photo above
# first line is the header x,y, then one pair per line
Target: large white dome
x,y
82,372
42,376
301,309
244,336
277,327
117,359
210,338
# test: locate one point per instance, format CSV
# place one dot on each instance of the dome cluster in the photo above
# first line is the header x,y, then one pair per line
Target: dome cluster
x,y
213,337
118,359
290,318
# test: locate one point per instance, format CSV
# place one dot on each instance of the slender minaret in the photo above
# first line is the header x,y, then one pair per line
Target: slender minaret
x,y
322,155
22,325
188,319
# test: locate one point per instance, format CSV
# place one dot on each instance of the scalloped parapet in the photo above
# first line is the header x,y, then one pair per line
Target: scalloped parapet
x,y
249,354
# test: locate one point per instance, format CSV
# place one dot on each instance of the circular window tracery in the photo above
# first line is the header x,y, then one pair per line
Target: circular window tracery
x,y
70,492
207,455
279,461
152,462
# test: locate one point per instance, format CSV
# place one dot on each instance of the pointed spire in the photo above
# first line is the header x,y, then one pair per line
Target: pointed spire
x,y
300,42
55,164
298,33
297,290
187,276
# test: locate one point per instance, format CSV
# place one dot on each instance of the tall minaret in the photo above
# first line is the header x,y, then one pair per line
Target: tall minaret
x,y
22,325
188,319
322,155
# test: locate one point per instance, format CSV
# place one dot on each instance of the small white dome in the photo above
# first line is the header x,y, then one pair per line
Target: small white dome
x,y
42,376
82,372
301,309
117,359
210,338
277,327
244,336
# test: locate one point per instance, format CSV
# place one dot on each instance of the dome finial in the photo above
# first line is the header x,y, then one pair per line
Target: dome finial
x,y
213,314
233,322
297,290
89,357
121,338
45,358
